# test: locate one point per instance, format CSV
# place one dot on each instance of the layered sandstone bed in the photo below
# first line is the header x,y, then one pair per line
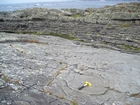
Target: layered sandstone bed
x,y
116,27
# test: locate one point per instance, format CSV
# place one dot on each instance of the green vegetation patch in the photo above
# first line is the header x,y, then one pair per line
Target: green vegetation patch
x,y
70,37
125,25
74,102
30,32
129,48
77,16
6,78
16,82
66,36
110,25
104,42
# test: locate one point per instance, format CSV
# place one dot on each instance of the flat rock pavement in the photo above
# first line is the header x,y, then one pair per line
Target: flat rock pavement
x,y
48,70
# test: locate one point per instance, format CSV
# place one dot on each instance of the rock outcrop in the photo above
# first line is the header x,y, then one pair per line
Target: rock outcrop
x,y
116,27
48,70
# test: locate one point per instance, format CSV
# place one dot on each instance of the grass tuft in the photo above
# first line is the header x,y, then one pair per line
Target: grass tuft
x,y
77,16
48,92
58,72
74,102
61,97
17,82
125,25
6,78
130,48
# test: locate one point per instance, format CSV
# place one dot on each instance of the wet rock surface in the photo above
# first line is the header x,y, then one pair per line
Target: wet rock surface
x,y
115,27
48,70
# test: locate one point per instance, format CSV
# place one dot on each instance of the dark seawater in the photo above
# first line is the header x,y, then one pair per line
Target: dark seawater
x,y
60,5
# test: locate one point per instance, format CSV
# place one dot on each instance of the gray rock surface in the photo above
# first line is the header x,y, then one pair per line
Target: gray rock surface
x,y
115,27
47,70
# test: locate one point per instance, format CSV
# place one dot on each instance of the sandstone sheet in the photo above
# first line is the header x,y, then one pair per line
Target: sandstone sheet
x,y
48,70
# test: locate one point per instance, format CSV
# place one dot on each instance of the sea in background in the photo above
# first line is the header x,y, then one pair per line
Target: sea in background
x,y
62,4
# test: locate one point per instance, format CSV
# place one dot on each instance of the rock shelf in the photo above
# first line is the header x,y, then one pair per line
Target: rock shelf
x,y
47,70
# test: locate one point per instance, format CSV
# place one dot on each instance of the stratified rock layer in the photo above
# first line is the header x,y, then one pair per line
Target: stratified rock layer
x,y
116,27
47,70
